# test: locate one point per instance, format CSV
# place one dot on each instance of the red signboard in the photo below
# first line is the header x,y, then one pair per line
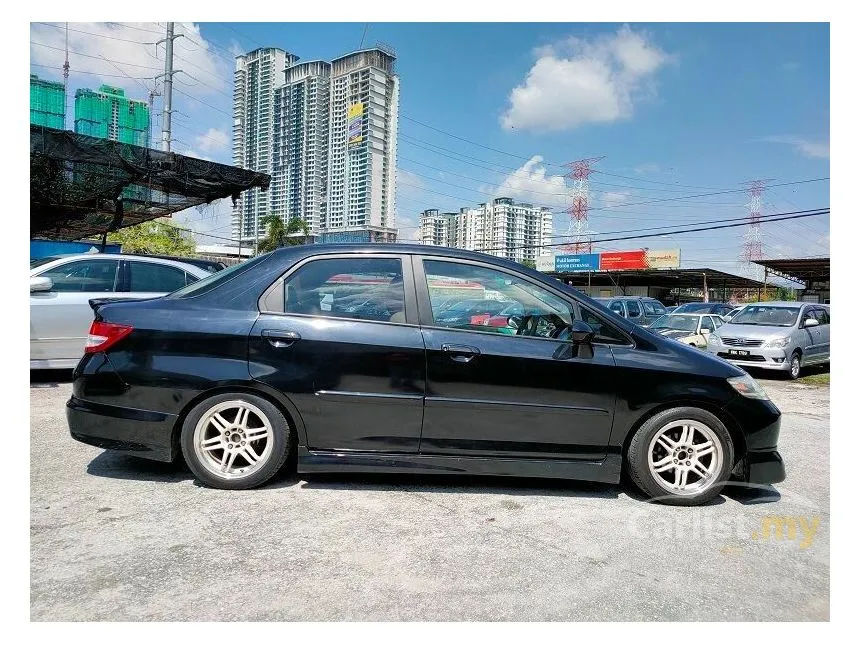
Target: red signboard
x,y
620,260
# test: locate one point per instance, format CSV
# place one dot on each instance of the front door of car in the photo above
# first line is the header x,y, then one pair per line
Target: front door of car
x,y
811,336
822,336
60,318
339,337
513,390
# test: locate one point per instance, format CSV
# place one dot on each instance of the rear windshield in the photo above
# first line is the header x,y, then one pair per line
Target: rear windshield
x,y
215,279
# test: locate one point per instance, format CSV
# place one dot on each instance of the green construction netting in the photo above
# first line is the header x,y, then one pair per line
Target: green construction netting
x,y
82,186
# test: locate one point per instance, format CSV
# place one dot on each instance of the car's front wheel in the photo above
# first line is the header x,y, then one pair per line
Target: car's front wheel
x,y
235,441
681,456
794,366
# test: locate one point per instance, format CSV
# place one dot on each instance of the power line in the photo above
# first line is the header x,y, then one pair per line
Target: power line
x,y
154,69
90,33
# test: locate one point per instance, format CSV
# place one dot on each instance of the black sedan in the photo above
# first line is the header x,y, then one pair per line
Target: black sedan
x,y
338,354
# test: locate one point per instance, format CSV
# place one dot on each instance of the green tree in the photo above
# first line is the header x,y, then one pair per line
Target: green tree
x,y
156,237
278,234
529,263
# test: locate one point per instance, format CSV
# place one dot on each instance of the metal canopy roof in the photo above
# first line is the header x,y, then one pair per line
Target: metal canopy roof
x,y
83,186
666,278
800,269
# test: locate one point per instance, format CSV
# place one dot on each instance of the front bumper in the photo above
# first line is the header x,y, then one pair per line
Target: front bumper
x,y
141,432
766,358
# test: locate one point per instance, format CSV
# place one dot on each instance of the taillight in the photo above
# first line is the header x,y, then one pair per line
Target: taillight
x,y
104,334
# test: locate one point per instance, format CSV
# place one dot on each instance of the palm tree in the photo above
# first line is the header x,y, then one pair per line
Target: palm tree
x,y
278,235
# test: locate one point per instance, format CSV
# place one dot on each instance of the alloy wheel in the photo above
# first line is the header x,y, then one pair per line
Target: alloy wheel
x,y
233,439
685,457
795,366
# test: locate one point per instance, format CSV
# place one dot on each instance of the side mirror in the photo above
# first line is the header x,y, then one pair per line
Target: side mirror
x,y
810,322
41,284
581,332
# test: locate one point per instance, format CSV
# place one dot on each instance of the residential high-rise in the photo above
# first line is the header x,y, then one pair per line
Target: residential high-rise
x,y
109,114
502,228
300,144
258,77
327,134
47,103
365,98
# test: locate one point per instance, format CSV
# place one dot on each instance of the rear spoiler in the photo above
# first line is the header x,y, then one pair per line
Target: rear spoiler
x,y
95,303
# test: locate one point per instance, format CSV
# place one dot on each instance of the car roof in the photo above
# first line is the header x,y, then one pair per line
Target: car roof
x,y
781,303
192,269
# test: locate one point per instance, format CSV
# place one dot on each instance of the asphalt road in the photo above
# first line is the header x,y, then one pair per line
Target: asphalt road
x,y
119,538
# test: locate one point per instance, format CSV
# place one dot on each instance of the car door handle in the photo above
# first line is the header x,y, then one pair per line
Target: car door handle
x,y
281,337
460,353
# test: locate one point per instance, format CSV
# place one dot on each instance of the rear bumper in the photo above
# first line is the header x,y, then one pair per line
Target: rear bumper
x,y
141,432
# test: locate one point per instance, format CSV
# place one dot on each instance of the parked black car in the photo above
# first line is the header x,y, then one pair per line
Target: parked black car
x,y
270,356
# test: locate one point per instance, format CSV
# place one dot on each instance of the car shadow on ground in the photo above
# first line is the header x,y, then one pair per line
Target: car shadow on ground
x,y
117,465
771,375
49,378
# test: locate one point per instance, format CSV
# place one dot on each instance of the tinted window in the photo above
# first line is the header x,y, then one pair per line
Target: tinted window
x,y
633,309
361,288
84,276
707,323
154,278
653,308
484,294
217,279
603,331
821,316
618,308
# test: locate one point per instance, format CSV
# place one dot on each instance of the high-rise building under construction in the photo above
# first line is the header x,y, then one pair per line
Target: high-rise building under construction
x,y
109,114
47,103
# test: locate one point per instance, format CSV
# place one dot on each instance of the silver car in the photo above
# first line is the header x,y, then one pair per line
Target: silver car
x,y
61,287
785,336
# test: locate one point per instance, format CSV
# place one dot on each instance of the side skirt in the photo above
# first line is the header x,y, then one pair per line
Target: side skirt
x,y
318,461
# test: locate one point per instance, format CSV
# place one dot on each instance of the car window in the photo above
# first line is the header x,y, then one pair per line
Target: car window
x,y
707,323
603,331
653,308
492,292
718,322
93,276
360,288
633,309
154,278
821,316
618,308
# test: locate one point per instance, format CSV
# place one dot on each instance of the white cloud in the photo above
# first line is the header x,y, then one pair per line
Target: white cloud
x,y
811,149
614,199
212,219
126,56
646,168
576,81
214,140
532,183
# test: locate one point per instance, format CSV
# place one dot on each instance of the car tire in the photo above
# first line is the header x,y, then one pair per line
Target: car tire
x,y
681,436
235,441
794,366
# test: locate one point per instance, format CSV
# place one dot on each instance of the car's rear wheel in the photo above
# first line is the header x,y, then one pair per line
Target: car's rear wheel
x,y
681,456
235,440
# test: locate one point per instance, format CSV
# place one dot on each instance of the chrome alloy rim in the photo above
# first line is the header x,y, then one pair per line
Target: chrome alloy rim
x,y
795,366
234,439
685,457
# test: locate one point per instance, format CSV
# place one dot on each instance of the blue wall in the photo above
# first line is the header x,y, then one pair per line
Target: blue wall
x,y
45,248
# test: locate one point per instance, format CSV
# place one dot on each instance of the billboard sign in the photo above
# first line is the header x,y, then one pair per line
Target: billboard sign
x,y
619,260
667,259
580,262
353,123
545,263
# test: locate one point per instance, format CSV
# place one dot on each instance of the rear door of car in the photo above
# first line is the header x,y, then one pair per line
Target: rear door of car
x,y
635,313
60,319
339,336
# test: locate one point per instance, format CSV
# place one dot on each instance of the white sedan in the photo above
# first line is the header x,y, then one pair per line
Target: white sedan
x,y
61,288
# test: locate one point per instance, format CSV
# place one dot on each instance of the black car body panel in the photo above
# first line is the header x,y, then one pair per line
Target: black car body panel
x,y
384,396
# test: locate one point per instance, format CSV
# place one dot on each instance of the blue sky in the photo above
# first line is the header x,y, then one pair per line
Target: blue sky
x,y
675,110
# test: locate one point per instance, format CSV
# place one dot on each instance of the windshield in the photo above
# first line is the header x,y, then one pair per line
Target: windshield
x,y
690,307
213,280
683,323
767,316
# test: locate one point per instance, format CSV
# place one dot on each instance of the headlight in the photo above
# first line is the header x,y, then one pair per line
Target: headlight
x,y
713,339
778,342
748,387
